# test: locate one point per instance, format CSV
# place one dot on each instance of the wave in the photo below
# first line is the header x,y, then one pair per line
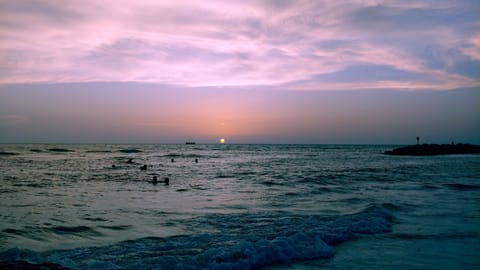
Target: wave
x,y
271,183
89,218
238,241
14,231
429,186
60,150
458,186
128,151
2,153
439,236
178,155
7,190
33,184
81,230
43,233
26,265
117,227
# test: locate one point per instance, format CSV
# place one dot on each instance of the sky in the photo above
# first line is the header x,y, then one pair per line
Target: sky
x,y
273,71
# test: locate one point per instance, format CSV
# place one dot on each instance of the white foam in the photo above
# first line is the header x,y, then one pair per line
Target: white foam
x,y
242,241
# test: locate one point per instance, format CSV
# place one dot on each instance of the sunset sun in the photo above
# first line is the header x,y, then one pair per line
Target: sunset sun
x,y
222,140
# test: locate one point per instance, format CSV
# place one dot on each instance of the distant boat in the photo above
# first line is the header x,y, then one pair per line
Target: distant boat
x,y
190,143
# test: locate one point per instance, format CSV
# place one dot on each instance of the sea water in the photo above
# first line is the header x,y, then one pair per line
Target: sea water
x,y
237,207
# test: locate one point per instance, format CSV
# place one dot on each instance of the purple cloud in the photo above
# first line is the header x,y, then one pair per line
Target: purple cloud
x,y
250,43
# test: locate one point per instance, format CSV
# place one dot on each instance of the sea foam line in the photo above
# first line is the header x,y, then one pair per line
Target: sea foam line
x,y
239,241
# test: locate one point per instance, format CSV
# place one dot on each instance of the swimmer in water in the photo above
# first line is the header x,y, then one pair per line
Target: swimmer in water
x,y
166,180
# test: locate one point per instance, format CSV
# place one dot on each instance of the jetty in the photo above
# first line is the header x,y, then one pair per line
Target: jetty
x,y
435,149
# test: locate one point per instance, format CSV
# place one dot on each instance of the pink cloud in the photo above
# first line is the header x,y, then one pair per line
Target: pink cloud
x,y
214,43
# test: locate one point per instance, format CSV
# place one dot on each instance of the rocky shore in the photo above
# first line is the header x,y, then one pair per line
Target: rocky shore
x,y
435,149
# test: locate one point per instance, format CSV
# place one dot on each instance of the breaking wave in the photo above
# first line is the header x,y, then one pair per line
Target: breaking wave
x,y
237,241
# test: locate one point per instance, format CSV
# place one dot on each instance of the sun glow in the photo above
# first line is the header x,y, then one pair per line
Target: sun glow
x,y
222,140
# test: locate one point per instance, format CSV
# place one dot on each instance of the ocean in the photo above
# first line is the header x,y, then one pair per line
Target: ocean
x,y
236,207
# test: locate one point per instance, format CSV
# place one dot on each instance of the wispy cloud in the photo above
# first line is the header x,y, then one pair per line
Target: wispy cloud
x,y
299,44
15,118
153,124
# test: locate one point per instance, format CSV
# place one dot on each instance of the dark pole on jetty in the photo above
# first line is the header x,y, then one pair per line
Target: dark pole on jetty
x,y
418,140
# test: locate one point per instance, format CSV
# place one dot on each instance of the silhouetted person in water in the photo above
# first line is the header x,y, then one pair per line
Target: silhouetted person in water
x,y
143,168
418,140
172,160
196,160
166,180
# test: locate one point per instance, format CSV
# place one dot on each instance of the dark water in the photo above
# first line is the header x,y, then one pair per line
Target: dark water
x,y
238,207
